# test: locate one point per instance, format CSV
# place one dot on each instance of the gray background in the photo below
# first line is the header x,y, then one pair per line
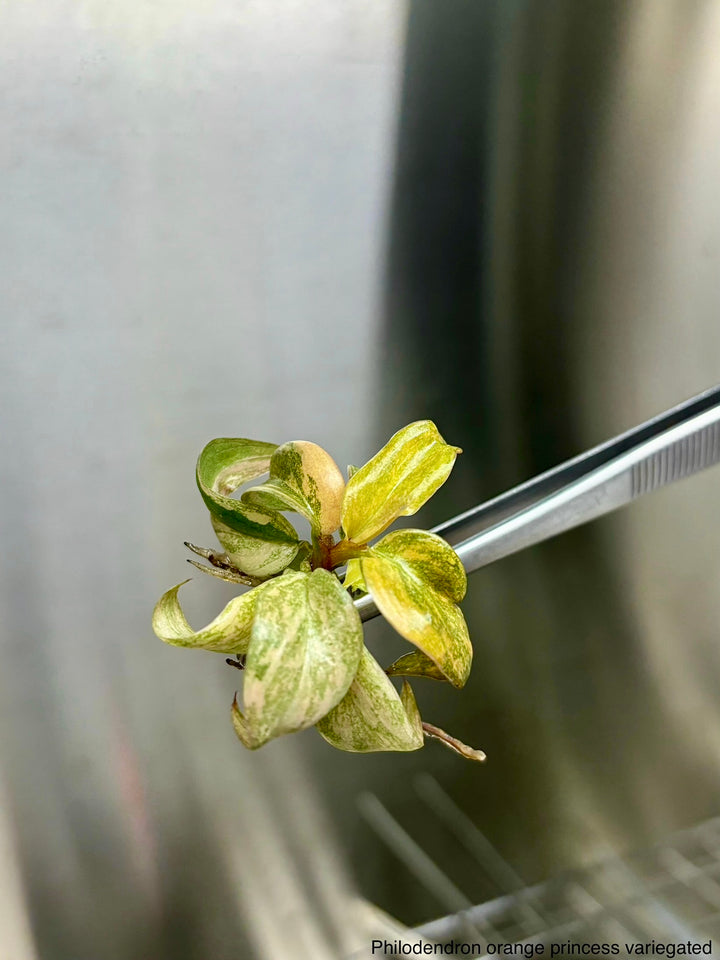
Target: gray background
x,y
279,220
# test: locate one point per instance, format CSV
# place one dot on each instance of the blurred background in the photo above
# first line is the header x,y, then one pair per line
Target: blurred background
x,y
314,220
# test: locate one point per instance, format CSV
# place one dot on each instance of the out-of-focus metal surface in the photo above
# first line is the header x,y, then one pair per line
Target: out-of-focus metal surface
x,y
668,893
193,214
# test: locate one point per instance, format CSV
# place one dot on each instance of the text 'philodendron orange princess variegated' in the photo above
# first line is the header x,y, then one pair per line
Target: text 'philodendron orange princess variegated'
x,y
296,632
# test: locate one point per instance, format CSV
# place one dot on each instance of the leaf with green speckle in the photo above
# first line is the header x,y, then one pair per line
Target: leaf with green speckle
x,y
303,478
301,561
398,480
256,557
222,467
229,632
416,579
372,716
304,652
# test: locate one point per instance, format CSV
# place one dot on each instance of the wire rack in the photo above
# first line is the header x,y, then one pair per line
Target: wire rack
x,y
669,893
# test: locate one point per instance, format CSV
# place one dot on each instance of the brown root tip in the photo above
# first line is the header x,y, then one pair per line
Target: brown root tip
x,y
470,753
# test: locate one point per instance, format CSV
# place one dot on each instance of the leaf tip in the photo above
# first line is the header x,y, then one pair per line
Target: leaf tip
x,y
242,727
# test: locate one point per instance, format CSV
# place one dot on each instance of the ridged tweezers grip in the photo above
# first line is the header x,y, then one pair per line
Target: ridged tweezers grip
x,y
686,456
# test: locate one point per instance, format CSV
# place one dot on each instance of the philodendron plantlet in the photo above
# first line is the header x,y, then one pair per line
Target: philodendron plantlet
x,y
296,632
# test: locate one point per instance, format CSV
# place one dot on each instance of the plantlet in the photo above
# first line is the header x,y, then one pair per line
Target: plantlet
x,y
296,633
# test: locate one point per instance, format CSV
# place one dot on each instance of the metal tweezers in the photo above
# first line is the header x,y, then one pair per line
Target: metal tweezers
x,y
676,444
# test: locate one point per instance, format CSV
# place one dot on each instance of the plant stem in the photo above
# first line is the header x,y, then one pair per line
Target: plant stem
x,y
322,548
345,550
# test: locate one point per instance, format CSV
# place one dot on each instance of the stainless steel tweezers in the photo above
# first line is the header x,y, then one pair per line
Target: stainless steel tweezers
x,y
676,444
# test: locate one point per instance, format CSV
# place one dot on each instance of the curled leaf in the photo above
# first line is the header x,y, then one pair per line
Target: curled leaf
x,y
220,573
226,463
304,652
470,753
415,664
397,481
229,632
221,566
416,579
372,716
303,478
222,467
353,576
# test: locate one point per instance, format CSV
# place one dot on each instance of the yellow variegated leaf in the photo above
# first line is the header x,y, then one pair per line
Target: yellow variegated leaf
x,y
229,632
416,580
353,576
303,478
266,542
304,652
415,664
397,481
371,716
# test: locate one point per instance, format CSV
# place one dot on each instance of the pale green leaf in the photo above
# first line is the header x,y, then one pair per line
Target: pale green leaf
x,y
252,555
222,467
241,727
372,716
416,580
304,478
301,561
229,632
353,576
240,724
304,652
351,471
398,480
415,664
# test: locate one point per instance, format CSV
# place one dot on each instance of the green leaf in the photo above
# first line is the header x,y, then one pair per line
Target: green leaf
x,y
229,632
304,652
372,716
303,478
415,664
416,579
398,480
222,467
353,576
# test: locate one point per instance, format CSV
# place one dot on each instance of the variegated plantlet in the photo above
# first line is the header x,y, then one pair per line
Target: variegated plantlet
x,y
296,632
